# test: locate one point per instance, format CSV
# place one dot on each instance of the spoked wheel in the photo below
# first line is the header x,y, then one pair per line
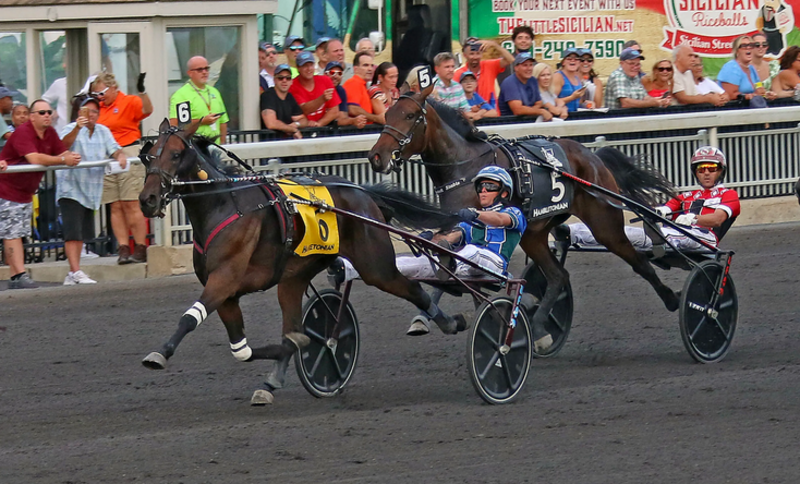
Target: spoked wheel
x,y
707,331
327,363
498,373
559,322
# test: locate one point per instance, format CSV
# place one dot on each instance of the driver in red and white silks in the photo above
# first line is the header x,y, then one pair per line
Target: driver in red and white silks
x,y
703,212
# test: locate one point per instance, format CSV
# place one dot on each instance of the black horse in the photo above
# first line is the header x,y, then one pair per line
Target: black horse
x,y
240,247
451,150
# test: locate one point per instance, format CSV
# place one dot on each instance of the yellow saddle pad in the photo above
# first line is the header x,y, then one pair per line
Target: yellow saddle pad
x,y
321,229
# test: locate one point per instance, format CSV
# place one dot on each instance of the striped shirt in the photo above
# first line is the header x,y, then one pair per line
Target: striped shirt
x,y
452,96
85,185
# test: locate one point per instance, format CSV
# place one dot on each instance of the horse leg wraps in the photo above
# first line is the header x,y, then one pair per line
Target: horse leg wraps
x,y
241,351
194,316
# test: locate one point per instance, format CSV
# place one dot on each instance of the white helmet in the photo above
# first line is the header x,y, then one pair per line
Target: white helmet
x,y
710,154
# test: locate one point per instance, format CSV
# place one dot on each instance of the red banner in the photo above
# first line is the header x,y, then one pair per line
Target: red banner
x,y
708,46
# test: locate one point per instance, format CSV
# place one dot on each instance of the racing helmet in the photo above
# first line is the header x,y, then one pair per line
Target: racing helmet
x,y
710,154
495,173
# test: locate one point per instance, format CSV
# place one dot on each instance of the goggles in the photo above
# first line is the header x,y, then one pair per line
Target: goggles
x,y
707,167
488,186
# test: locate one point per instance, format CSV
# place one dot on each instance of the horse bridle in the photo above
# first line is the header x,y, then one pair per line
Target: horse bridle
x,y
166,180
404,139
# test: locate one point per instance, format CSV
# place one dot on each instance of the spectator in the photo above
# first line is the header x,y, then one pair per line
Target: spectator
x,y
279,109
479,107
384,92
122,113
6,104
358,100
412,81
321,51
294,45
485,70
365,45
445,89
738,76
316,95
79,191
704,85
267,58
56,95
593,95
205,101
624,89
335,70
568,82
519,94
544,78
632,44
788,78
659,83
683,86
522,38
20,114
767,70
34,143
336,53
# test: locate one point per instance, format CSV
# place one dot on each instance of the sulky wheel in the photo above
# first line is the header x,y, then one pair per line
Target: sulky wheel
x,y
560,320
498,373
707,331
327,363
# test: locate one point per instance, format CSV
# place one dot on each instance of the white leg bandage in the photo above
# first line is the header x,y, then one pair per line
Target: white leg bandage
x,y
241,351
198,312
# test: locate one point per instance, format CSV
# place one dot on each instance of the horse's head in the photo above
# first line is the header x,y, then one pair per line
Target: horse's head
x,y
404,133
166,161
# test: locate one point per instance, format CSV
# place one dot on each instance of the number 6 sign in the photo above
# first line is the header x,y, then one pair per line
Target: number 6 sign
x,y
184,113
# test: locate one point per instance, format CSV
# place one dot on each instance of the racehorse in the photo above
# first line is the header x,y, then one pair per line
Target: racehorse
x,y
240,247
451,152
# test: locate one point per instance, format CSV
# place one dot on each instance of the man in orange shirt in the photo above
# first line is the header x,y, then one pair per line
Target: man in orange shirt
x,y
486,71
122,113
358,100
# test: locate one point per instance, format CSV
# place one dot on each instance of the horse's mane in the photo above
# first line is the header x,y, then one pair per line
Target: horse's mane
x,y
214,158
454,119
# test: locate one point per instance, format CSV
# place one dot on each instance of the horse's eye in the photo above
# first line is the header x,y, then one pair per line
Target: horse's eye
x,y
410,116
176,155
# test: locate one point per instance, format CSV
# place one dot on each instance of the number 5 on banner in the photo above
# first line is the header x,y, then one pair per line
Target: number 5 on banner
x,y
184,113
424,78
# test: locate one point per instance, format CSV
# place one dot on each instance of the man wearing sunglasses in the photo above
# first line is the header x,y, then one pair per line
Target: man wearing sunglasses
x,y
34,143
267,60
279,109
205,101
292,47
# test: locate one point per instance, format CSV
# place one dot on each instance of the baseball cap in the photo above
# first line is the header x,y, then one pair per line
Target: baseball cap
x,y
570,51
292,39
520,58
304,58
90,99
7,92
628,54
282,67
265,45
583,52
465,74
322,41
333,64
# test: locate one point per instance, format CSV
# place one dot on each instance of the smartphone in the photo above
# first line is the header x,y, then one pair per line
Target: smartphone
x,y
666,95
218,114
84,112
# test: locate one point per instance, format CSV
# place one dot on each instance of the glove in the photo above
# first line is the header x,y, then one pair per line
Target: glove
x,y
426,234
468,214
140,83
687,219
663,211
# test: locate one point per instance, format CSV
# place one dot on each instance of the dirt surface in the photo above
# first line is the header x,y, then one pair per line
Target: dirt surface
x,y
622,403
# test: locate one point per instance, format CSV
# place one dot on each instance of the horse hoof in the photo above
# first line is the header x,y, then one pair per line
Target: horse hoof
x,y
299,339
419,326
155,361
543,344
261,398
461,323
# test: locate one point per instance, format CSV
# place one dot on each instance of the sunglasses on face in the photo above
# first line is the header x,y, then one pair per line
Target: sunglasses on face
x,y
488,186
100,93
757,45
665,69
707,169
587,60
202,69
572,59
283,78
42,112
272,52
296,47
334,73
747,46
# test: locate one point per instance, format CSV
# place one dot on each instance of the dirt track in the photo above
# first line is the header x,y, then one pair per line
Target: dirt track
x,y
622,403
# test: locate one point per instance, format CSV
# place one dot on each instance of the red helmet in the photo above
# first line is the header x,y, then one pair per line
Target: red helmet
x,y
710,154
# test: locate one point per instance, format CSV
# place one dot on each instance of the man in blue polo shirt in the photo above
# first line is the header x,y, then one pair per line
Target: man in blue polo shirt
x,y
519,94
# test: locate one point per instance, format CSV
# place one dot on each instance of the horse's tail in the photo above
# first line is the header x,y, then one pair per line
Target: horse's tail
x,y
636,177
409,209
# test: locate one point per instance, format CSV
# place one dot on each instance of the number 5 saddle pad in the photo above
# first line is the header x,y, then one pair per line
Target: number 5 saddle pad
x,y
321,234
545,193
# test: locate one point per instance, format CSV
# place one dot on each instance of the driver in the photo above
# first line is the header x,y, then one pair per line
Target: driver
x,y
707,213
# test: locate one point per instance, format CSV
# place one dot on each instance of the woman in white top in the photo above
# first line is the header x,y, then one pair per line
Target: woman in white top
x,y
550,100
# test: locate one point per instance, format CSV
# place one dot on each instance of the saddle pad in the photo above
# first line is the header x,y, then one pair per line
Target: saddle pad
x,y
321,229
545,192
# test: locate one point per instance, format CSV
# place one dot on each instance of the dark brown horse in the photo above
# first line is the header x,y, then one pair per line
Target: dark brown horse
x,y
240,247
451,151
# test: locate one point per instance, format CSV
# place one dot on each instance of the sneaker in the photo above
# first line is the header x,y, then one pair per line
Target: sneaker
x,y
78,277
24,282
88,254
139,253
124,255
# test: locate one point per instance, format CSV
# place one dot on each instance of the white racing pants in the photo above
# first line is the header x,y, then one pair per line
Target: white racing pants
x,y
421,267
580,234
